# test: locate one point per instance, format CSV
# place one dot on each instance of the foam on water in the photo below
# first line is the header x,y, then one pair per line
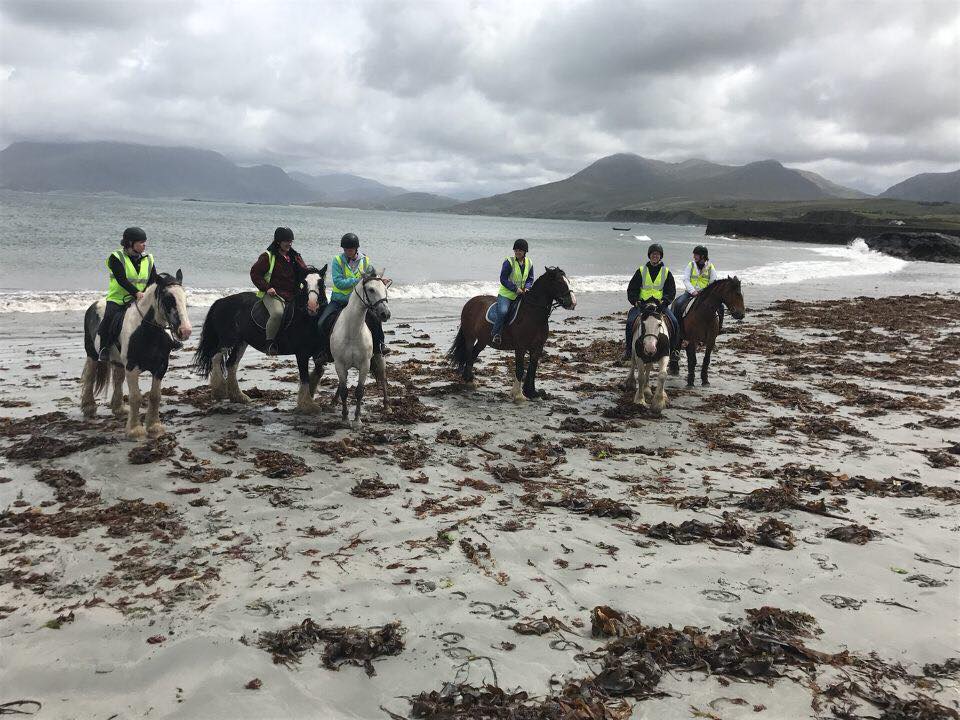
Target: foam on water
x,y
853,260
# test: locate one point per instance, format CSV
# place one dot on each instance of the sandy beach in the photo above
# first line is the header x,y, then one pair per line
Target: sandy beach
x,y
817,475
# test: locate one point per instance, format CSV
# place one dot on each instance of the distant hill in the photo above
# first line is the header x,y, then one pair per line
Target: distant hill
x,y
144,171
417,202
347,189
929,187
626,180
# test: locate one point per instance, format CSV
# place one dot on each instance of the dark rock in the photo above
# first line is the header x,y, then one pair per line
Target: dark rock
x,y
928,246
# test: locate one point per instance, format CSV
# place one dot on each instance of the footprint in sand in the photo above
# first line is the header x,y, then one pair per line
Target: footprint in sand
x,y
720,595
840,602
449,638
823,561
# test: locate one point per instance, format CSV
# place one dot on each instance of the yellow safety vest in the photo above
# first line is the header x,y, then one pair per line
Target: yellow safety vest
x,y
350,274
651,290
700,280
518,276
137,278
269,273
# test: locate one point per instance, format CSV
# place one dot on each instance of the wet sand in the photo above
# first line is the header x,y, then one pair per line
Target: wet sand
x,y
817,474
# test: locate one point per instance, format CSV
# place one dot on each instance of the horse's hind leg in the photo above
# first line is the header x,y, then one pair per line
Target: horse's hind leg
x,y
517,392
154,427
530,380
475,348
135,430
342,371
218,384
704,379
674,366
116,400
379,368
88,404
692,363
233,386
361,385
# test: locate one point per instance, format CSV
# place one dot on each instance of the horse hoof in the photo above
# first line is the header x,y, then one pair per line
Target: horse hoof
x,y
356,424
156,430
89,411
120,412
689,382
137,433
519,399
241,398
704,382
307,409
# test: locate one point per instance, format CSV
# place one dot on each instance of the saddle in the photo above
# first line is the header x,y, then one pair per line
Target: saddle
x,y
259,315
680,309
511,313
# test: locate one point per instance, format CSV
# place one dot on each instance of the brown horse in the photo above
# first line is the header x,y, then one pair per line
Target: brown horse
x,y
701,324
527,334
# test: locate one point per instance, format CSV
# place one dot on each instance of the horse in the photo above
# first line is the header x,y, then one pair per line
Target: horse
x,y
230,327
526,334
351,343
143,345
701,324
652,335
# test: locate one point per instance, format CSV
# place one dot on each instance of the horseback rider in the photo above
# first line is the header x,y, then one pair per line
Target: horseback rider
x,y
516,278
349,267
131,270
700,273
275,275
652,282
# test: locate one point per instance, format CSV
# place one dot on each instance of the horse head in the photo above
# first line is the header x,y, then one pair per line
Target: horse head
x,y
557,288
732,296
372,290
312,289
653,326
172,304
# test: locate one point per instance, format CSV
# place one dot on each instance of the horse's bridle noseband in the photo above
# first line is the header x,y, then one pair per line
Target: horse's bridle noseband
x,y
159,306
363,296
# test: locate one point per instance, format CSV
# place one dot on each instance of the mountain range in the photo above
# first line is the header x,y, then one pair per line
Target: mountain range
x,y
617,182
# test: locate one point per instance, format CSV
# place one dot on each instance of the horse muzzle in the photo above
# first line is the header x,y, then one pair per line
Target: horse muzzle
x,y
313,308
383,313
183,332
738,315
570,303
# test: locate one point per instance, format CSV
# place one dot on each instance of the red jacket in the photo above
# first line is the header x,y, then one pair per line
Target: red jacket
x,y
284,277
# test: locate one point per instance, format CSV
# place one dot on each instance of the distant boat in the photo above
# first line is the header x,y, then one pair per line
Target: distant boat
x,y
616,228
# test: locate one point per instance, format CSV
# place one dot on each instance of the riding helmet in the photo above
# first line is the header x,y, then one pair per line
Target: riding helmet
x,y
132,235
281,234
701,250
656,247
521,244
349,241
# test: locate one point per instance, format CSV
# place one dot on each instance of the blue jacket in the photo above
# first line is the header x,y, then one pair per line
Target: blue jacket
x,y
505,280
339,279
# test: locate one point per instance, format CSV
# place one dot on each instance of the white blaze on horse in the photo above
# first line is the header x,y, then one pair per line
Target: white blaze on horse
x,y
143,345
351,343
652,335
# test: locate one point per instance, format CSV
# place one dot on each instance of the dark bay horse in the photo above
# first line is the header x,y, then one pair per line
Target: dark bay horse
x,y
701,324
527,334
230,327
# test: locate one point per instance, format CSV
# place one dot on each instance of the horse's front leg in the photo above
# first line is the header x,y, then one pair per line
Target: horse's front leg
x,y
704,379
135,430
517,392
234,393
660,396
154,426
691,363
632,377
530,380
642,395
116,400
315,375
305,402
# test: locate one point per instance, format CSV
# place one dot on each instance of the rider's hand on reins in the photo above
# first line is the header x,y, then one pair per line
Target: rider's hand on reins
x,y
139,296
271,292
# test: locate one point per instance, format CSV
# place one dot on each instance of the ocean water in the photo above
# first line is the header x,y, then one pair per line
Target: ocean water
x,y
53,250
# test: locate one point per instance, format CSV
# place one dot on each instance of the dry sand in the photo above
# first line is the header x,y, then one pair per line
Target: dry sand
x,y
483,521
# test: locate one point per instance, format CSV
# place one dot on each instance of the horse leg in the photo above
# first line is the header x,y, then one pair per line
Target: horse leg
x,y
530,382
135,430
218,385
660,396
315,375
517,392
691,363
234,393
116,400
642,395
632,378
379,368
675,362
154,427
704,380
88,405
342,370
358,393
305,402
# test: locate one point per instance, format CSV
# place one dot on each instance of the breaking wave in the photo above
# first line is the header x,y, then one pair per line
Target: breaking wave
x,y
853,260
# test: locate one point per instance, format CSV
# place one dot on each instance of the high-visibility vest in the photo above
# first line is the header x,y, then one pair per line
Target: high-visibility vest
x,y
653,290
269,273
351,274
700,280
518,275
137,278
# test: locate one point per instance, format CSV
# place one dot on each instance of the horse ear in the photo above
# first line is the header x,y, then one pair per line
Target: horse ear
x,y
323,271
179,275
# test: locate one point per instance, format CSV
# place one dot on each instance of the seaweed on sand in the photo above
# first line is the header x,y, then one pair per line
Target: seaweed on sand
x,y
153,450
276,464
66,484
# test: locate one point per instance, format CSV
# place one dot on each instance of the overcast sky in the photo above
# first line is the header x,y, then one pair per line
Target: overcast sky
x,y
488,96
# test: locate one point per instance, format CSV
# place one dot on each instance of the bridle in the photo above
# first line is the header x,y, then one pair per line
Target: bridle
x,y
659,316
363,296
159,307
558,301
318,292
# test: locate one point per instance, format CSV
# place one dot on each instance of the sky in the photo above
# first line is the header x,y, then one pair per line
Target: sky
x,y
484,96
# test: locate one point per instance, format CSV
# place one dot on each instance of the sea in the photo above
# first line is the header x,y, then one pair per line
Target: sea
x,y
53,249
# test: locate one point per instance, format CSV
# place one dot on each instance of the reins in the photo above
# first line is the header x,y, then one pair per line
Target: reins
x,y
363,296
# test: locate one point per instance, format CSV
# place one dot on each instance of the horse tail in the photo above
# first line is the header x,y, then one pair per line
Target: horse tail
x,y
209,346
459,354
101,377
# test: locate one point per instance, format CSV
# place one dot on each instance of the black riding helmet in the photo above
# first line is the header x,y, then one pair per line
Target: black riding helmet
x,y
701,251
349,241
521,244
655,247
132,235
282,234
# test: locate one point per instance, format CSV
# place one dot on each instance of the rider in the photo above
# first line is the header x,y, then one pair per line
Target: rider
x,y
130,272
700,273
275,275
651,282
349,267
516,278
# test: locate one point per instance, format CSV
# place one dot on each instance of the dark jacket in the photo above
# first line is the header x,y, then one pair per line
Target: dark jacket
x,y
120,273
636,283
284,277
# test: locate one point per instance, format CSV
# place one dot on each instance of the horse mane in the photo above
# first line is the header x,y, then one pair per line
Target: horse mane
x,y
714,287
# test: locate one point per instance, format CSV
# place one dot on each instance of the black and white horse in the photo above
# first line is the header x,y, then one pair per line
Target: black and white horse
x,y
230,327
652,335
143,345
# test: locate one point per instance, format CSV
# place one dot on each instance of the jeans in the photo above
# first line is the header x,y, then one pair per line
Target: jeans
x,y
681,298
274,306
334,306
503,307
106,324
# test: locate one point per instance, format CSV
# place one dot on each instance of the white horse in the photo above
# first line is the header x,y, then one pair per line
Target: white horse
x,y
651,345
144,346
351,343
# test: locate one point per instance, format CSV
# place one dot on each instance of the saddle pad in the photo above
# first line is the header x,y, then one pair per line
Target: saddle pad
x,y
259,315
511,313
681,312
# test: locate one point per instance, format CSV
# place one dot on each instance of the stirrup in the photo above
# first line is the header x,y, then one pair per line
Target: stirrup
x,y
105,353
272,349
496,339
